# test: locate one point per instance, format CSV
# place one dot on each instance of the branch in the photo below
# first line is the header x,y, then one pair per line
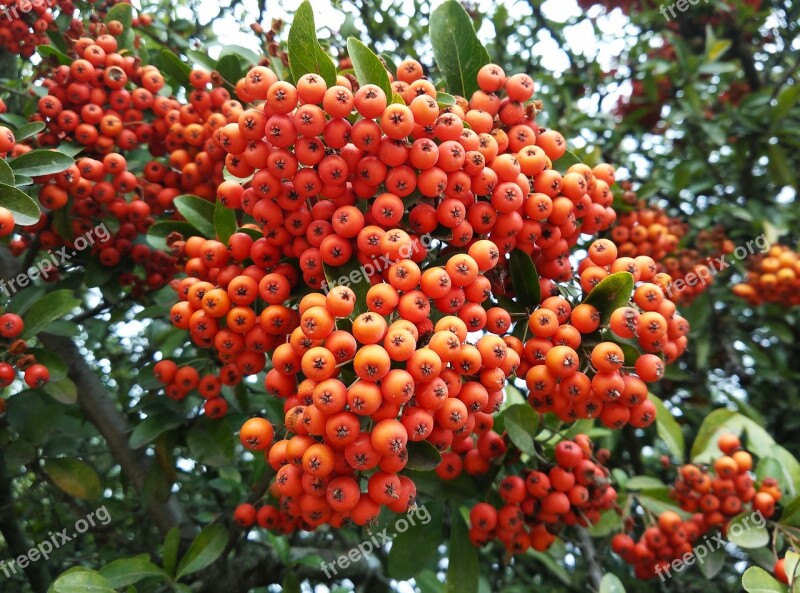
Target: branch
x,y
110,422
36,572
590,554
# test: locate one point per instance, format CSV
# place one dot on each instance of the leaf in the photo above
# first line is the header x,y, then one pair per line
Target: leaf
x,y
456,48
128,571
52,306
63,391
48,51
462,568
524,280
521,422
28,130
56,366
787,99
351,274
791,513
74,477
668,429
158,233
612,292
224,222
445,99
6,174
744,532
41,162
305,53
415,548
555,567
422,456
230,68
791,561
291,584
175,68
123,13
206,548
22,206
197,212
713,563
82,582
758,580
643,483
153,426
170,550
610,583
610,521
568,159
368,67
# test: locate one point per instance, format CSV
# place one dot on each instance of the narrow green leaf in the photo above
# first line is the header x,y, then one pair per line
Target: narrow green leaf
x,y
153,426
611,293
22,206
74,477
415,549
668,428
6,174
170,550
643,483
422,456
29,130
462,568
521,422
197,212
524,280
175,68
368,67
128,571
224,222
787,99
230,68
456,48
41,162
306,56
52,306
48,51
204,551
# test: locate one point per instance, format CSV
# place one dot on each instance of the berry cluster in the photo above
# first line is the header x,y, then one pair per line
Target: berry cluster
x,y
773,277
539,504
713,498
15,357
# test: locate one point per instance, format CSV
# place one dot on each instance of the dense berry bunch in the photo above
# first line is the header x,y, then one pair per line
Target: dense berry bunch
x,y
537,505
714,495
15,358
772,278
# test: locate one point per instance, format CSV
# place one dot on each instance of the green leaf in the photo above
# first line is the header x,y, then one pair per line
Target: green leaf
x,y
224,222
6,174
204,551
153,426
351,274
305,53
422,456
713,563
29,130
158,233
368,67
525,280
444,99
63,391
643,483
56,366
82,582
780,166
41,162
787,99
291,584
717,49
230,68
128,571
462,568
610,521
48,51
566,161
744,532
22,206
456,48
668,429
521,422
555,567
792,559
612,292
74,477
610,583
758,580
170,550
123,13
52,306
414,549
248,55
175,68
657,500
197,212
